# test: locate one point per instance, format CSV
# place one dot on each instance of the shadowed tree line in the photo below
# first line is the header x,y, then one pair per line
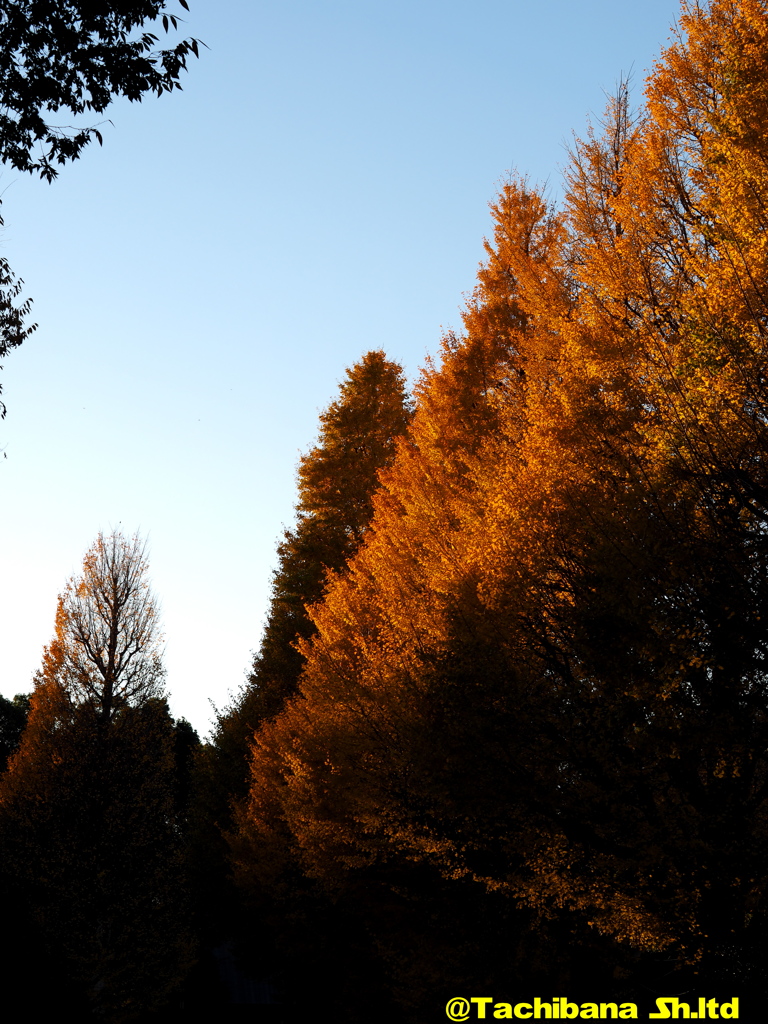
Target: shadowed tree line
x,y
506,730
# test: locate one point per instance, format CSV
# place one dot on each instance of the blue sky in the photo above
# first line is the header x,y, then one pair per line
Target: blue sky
x,y
320,188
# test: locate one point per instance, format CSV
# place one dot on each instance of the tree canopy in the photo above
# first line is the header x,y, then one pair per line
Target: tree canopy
x,y
543,673
76,56
72,57
357,438
337,479
508,722
94,799
107,651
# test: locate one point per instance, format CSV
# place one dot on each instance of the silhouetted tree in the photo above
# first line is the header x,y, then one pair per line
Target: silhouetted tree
x,y
13,719
89,806
74,56
77,56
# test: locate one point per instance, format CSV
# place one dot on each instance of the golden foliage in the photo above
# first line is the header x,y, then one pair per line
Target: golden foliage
x,y
545,670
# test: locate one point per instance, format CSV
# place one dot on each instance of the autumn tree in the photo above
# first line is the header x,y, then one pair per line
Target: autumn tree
x,y
107,651
89,804
369,725
542,675
337,478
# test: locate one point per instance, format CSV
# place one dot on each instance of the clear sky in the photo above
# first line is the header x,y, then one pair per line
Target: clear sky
x,y
320,188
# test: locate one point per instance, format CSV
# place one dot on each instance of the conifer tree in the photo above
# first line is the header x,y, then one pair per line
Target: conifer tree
x,y
358,437
337,479
543,673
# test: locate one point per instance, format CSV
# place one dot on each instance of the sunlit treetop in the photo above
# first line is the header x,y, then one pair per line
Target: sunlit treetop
x,y
107,649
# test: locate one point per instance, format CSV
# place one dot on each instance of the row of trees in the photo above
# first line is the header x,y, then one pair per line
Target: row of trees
x,y
114,864
507,727
536,696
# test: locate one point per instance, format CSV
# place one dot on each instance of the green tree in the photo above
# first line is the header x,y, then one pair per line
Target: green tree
x,y
90,805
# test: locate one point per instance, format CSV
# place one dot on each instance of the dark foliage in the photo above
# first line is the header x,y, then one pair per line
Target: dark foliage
x,y
13,719
71,57
76,56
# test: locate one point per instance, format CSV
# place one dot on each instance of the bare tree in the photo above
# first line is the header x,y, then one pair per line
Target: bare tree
x,y
107,651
